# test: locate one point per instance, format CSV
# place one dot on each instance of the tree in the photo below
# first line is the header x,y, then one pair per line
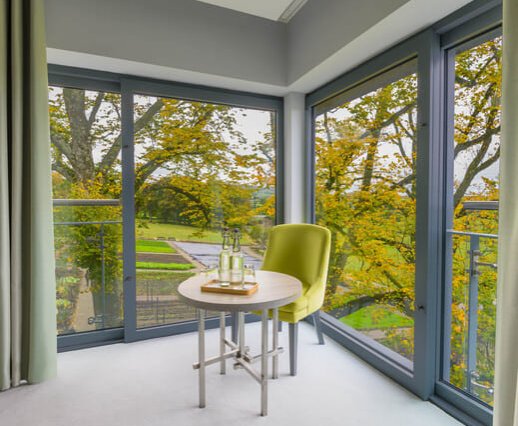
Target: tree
x,y
192,165
366,152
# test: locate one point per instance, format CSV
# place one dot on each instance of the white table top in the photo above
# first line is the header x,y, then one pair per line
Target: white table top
x,y
275,290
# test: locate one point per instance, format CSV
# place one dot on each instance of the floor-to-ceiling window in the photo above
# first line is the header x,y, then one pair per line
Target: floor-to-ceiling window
x,y
196,167
365,193
474,85
85,132
405,175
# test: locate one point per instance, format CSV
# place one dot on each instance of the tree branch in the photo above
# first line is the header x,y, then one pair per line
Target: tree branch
x,y
60,144
95,109
388,121
463,146
65,171
113,152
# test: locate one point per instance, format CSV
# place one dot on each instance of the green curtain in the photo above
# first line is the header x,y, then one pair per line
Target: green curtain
x,y
506,362
27,281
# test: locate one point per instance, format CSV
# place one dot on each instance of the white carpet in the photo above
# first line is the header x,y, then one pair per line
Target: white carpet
x,y
152,383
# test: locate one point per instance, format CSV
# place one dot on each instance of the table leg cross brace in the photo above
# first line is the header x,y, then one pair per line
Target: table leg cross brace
x,y
239,352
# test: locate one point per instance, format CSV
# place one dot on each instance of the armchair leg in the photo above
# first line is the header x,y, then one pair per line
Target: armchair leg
x,y
318,327
293,332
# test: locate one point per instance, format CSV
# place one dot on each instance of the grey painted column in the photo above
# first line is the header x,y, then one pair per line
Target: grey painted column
x,y
294,154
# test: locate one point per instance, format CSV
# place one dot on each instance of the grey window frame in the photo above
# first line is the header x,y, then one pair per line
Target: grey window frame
x,y
475,32
431,48
127,85
422,47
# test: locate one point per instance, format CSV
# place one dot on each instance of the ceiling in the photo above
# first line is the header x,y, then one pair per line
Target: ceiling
x,y
267,53
276,10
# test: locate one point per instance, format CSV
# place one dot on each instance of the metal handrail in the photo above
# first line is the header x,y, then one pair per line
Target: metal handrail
x,y
480,205
105,222
469,234
85,202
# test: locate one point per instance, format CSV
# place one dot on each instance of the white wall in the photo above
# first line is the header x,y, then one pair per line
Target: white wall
x,y
322,27
182,34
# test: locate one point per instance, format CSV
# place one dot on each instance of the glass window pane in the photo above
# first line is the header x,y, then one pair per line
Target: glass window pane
x,y
365,194
198,167
476,153
86,176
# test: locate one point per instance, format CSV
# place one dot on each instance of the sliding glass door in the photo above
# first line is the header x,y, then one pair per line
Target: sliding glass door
x,y
365,193
145,177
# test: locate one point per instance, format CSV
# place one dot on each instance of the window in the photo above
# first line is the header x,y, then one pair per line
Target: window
x,y
365,179
473,211
195,167
405,165
86,174
199,167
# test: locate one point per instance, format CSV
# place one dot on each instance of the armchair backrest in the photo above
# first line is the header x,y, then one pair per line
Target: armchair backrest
x,y
302,251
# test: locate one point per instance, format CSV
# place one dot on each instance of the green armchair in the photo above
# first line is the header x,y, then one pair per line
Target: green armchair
x,y
302,251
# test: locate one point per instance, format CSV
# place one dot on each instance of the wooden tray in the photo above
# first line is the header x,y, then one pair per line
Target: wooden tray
x,y
214,287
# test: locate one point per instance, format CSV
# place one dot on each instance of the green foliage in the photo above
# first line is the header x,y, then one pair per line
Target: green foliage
x,y
92,246
366,197
193,167
151,246
165,266
209,172
67,291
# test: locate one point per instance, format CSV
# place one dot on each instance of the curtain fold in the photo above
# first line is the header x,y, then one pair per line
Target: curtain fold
x,y
506,362
27,280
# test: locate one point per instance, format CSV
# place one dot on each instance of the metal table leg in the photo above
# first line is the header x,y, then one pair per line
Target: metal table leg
x,y
223,364
234,326
264,362
275,333
201,355
240,353
241,332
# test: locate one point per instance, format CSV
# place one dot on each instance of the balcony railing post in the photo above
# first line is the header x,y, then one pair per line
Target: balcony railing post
x,y
448,299
103,278
474,252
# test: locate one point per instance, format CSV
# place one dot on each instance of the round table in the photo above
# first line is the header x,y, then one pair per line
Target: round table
x,y
275,290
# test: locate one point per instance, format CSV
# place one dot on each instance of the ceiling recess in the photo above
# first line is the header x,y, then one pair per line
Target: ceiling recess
x,y
275,10
291,10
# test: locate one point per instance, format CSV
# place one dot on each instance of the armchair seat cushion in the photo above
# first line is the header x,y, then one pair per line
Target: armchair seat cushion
x,y
300,304
292,317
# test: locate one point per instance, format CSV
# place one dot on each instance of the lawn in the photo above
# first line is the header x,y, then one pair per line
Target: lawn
x,y
151,246
376,317
165,266
166,231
